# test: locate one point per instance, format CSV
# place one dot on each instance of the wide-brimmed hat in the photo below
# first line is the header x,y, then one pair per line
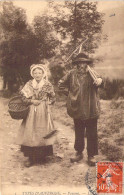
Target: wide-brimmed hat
x,y
81,57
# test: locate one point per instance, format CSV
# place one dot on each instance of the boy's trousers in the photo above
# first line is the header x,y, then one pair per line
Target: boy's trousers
x,y
91,133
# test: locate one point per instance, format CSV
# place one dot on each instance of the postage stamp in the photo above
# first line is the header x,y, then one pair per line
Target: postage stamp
x,y
109,177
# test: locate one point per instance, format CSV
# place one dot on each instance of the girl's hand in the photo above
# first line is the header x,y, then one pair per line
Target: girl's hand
x,y
35,102
51,102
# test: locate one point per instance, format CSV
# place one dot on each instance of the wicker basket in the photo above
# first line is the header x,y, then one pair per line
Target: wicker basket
x,y
17,109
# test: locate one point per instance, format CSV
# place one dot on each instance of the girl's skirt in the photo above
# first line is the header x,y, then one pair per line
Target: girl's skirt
x,y
37,154
33,130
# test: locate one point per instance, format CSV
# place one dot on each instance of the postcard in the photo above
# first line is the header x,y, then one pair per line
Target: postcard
x,y
62,97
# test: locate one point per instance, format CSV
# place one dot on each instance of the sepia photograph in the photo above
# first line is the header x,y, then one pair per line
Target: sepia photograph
x,y
61,97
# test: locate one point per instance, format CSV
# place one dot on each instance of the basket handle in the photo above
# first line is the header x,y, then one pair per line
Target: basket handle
x,y
49,116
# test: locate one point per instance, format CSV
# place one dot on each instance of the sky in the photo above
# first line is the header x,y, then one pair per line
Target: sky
x,y
34,7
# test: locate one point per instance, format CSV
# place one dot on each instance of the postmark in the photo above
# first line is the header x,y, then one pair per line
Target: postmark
x,y
109,177
90,180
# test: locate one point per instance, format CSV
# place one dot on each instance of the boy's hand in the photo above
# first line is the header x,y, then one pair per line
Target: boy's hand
x,y
98,82
35,102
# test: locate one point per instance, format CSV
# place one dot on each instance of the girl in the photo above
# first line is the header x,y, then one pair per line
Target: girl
x,y
36,126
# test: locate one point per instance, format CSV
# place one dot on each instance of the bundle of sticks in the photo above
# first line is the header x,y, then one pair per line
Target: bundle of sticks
x,y
92,74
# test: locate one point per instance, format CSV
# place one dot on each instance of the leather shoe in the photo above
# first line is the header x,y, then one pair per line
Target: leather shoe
x,y
91,161
28,164
77,157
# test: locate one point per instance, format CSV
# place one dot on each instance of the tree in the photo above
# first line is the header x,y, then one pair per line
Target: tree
x,y
46,36
18,45
48,44
21,44
76,21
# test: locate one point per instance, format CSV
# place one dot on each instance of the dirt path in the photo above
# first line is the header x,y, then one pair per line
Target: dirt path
x,y
57,172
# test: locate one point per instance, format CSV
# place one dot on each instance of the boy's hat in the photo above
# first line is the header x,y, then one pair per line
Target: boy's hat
x,y
81,57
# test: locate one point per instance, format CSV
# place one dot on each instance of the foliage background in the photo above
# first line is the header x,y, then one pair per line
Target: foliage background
x,y
51,38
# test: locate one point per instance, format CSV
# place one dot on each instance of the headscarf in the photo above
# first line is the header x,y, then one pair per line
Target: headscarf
x,y
27,89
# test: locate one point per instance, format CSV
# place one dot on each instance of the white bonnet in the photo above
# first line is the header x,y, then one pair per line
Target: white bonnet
x,y
41,66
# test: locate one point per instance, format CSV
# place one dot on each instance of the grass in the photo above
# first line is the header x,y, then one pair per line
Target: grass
x,y
110,127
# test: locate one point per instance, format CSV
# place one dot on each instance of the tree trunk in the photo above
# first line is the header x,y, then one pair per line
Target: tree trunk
x,y
75,30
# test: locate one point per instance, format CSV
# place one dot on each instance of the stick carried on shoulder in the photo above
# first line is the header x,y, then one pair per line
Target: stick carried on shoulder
x,y
91,72
79,47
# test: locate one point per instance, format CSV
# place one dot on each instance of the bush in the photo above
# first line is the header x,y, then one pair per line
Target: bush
x,y
117,104
112,89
